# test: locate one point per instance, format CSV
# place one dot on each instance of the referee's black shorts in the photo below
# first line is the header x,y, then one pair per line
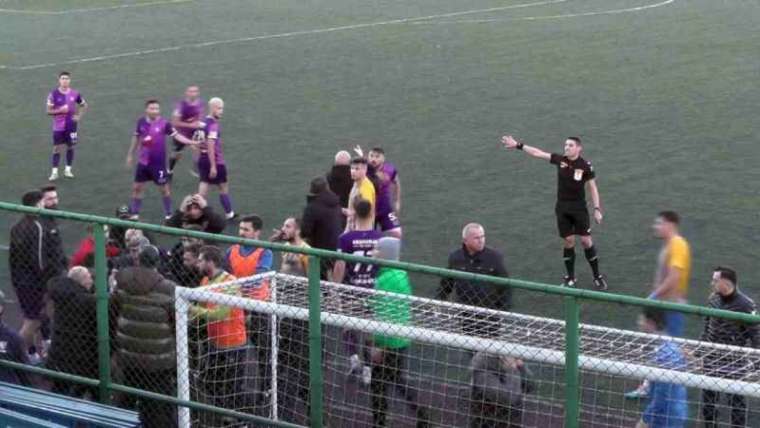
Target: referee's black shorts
x,y
572,218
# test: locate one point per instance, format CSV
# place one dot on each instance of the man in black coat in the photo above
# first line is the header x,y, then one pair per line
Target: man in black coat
x,y
339,177
74,344
475,257
146,348
322,220
35,256
728,297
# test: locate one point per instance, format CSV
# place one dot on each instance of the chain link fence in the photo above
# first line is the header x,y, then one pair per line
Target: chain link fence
x,y
157,317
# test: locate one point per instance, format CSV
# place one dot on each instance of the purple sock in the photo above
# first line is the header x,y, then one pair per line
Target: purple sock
x,y
167,200
226,202
56,159
69,156
135,205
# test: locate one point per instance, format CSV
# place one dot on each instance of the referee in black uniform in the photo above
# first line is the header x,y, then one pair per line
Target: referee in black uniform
x,y
573,175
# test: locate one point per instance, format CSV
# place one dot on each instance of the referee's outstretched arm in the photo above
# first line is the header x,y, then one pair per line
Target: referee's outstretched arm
x,y
510,143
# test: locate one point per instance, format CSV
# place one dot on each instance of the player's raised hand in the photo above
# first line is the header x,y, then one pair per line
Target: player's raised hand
x,y
358,150
509,142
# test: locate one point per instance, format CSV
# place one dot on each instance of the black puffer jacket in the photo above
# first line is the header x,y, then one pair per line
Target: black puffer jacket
x,y
322,219
145,326
74,344
339,179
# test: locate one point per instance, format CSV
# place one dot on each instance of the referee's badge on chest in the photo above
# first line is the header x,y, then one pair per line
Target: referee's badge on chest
x,y
578,175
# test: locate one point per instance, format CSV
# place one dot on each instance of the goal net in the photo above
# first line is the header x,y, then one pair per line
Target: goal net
x,y
396,360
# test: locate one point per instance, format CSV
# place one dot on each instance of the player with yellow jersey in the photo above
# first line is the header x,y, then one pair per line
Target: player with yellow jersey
x,y
363,189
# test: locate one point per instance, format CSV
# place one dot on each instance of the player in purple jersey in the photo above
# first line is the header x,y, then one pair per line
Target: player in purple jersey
x,y
149,142
359,242
211,165
67,106
186,119
388,193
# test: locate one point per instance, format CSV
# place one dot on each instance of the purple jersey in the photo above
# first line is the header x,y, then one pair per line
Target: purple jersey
x,y
213,136
151,137
385,176
188,112
57,99
359,243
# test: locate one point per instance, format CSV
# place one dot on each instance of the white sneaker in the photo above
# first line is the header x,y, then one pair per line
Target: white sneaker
x,y
354,364
67,172
366,375
230,215
53,174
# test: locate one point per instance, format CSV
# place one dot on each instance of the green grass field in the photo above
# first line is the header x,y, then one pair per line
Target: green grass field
x,y
664,96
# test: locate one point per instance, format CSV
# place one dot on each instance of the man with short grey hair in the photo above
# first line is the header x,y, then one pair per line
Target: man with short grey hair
x,y
475,257
339,177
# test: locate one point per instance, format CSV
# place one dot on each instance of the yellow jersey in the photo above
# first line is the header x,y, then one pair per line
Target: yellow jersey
x,y
675,255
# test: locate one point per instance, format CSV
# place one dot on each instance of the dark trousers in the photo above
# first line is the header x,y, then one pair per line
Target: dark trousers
x,y
387,375
293,370
223,378
260,332
710,412
488,415
153,413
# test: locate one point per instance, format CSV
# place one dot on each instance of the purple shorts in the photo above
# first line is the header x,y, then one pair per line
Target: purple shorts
x,y
32,302
204,168
388,221
154,173
68,137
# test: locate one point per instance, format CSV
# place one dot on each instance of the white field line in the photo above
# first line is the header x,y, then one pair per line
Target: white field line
x,y
91,9
279,36
548,17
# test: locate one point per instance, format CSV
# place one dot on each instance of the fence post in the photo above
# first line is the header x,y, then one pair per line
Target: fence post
x,y
315,344
572,374
101,292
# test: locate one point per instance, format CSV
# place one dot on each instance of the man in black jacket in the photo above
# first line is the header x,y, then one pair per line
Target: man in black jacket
x,y
146,352
194,210
74,345
322,219
475,257
11,349
726,296
35,256
339,177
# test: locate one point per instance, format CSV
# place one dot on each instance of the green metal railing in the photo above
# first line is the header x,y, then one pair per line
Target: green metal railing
x,y
572,302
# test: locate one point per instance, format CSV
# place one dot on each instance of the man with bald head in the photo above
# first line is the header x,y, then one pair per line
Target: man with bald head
x,y
475,257
339,177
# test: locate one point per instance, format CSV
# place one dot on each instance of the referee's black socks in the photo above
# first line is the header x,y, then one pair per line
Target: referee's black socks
x,y
593,260
569,257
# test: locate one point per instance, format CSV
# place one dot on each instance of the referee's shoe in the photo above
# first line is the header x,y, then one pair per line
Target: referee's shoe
x,y
600,282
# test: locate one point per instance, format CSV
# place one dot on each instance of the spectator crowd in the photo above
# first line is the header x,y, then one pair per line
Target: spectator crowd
x,y
354,209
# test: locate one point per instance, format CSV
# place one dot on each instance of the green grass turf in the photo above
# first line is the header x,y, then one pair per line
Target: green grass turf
x,y
664,98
